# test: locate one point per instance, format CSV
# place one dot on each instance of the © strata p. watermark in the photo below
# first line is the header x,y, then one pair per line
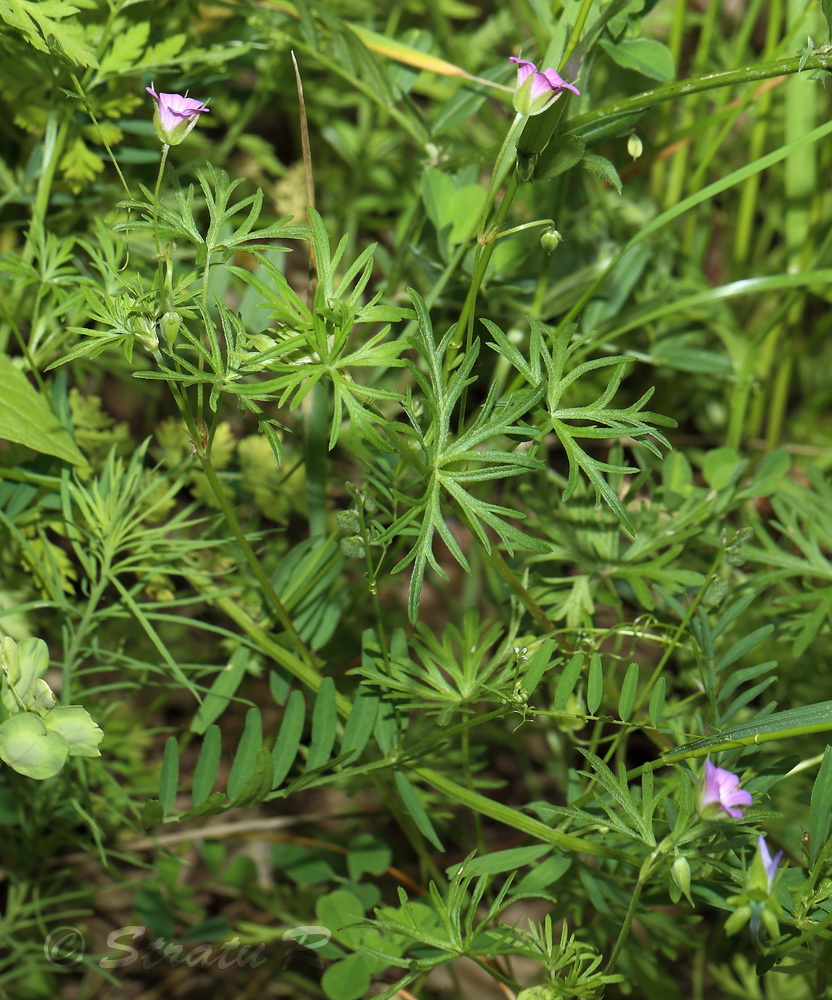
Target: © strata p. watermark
x,y
65,947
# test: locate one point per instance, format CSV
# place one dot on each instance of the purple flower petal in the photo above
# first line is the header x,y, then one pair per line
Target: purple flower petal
x,y
524,68
769,863
557,82
719,791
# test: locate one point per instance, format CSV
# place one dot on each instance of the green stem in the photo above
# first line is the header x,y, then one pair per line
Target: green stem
x,y
501,165
54,141
156,190
624,933
254,564
481,262
372,584
683,624
697,84
517,820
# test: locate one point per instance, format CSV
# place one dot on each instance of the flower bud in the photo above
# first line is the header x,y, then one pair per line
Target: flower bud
x,y
144,332
680,873
550,240
170,324
635,147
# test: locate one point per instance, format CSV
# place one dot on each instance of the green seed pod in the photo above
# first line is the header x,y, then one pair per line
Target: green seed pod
x,y
353,547
635,147
348,521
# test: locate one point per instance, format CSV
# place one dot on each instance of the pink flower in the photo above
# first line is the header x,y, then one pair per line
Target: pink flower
x,y
175,116
719,792
536,91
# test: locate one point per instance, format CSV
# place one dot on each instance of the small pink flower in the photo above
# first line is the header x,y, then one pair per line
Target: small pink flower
x,y
175,116
719,792
536,91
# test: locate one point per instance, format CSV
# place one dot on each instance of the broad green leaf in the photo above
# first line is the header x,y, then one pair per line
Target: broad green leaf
x,y
595,684
413,805
27,418
366,854
644,55
360,724
259,781
288,740
169,778
245,759
502,861
223,689
126,48
28,747
324,726
75,725
562,153
537,665
348,978
628,692
656,707
604,168
207,765
721,467
152,814
567,681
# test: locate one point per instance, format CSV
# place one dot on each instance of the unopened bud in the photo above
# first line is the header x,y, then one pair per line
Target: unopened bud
x,y
635,147
170,324
550,240
680,873
144,332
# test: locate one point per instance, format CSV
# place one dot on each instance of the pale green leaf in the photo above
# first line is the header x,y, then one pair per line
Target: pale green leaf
x,y
27,418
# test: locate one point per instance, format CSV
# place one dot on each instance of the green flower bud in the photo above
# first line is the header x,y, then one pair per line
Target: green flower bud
x,y
680,873
144,332
550,240
170,324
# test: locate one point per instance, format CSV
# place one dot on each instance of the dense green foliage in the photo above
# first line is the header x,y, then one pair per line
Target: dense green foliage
x,y
401,497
